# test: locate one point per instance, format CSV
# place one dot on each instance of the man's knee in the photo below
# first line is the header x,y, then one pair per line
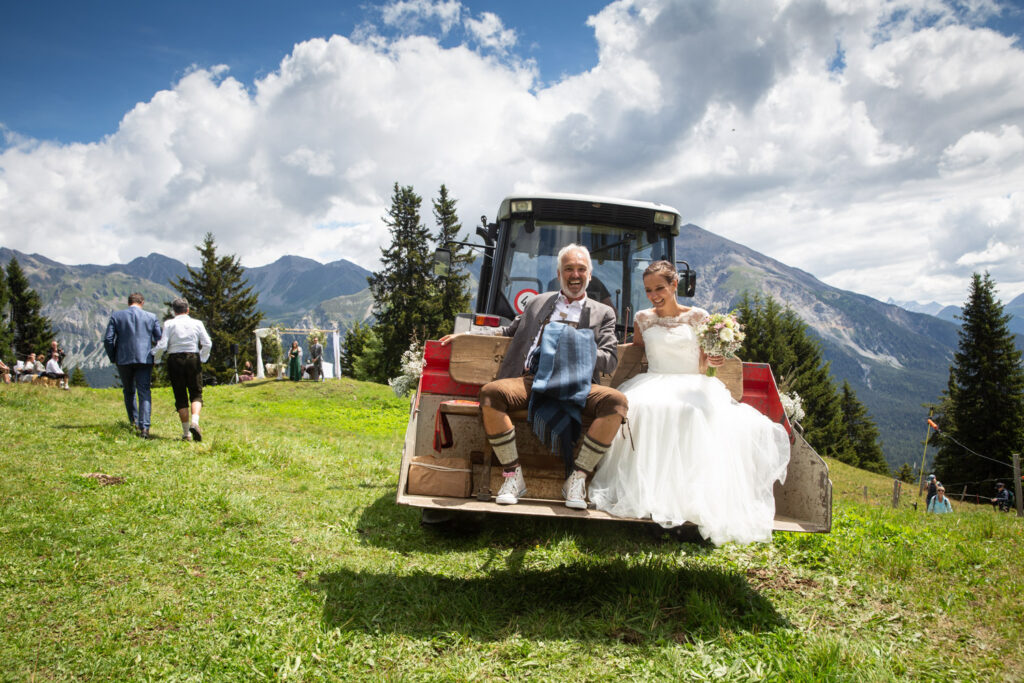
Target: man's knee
x,y
492,397
610,402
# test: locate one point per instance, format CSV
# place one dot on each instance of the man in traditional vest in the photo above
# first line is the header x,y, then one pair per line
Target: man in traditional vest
x,y
512,388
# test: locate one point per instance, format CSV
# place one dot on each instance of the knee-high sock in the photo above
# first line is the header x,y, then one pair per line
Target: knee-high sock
x,y
504,446
590,454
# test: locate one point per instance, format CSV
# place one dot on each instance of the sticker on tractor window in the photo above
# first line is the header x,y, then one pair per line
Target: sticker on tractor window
x,y
523,298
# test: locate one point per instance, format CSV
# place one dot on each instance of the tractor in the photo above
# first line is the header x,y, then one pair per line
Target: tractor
x,y
447,465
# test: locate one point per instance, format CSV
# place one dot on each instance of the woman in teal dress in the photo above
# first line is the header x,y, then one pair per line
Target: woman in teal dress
x,y
295,362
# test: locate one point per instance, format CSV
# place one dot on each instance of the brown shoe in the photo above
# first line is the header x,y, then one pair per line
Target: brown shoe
x,y
144,433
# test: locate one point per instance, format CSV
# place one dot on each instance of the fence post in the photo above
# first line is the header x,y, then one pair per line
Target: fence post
x,y
865,494
1016,484
896,486
963,493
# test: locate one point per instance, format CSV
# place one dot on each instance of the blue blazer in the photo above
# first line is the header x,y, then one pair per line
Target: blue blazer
x,y
131,335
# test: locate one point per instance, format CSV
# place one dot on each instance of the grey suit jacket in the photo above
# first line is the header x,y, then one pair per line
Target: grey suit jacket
x,y
130,336
595,316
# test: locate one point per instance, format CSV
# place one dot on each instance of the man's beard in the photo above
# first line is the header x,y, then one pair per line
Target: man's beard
x,y
565,287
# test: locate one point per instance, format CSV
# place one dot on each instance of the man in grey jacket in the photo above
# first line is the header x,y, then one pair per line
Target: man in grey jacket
x,y
511,390
129,341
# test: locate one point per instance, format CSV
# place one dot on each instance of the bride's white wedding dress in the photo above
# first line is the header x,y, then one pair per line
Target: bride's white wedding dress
x,y
696,455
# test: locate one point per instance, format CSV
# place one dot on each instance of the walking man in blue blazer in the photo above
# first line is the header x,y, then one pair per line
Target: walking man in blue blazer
x,y
129,340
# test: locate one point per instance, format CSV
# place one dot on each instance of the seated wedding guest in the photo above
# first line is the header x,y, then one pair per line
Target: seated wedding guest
x,y
247,373
5,373
28,369
54,371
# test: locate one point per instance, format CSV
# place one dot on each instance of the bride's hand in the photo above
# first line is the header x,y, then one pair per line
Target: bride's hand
x,y
716,361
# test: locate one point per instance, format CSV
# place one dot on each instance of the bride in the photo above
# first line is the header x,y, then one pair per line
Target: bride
x,y
695,454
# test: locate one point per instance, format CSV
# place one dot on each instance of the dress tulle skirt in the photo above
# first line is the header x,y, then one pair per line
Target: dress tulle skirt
x,y
696,456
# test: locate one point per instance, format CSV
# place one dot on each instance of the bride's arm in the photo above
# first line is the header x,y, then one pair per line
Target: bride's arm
x,y
641,321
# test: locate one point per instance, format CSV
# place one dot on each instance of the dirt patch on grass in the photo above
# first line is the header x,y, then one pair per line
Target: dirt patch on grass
x,y
105,479
779,579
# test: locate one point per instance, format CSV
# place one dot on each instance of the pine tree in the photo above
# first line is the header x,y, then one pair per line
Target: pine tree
x,y
219,295
31,329
905,473
356,339
6,326
452,287
403,290
861,434
984,396
77,378
368,364
778,337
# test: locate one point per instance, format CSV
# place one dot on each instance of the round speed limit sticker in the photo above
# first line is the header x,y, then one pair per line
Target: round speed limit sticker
x,y
522,298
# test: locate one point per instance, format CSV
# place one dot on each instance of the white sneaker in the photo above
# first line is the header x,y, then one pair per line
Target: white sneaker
x,y
574,490
512,488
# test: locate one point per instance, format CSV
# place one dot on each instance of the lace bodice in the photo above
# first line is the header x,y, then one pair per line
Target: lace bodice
x,y
671,342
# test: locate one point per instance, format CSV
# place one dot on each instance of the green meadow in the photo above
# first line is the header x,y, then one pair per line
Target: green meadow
x,y
274,550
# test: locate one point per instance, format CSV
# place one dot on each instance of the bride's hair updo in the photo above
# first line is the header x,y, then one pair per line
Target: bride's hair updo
x,y
664,269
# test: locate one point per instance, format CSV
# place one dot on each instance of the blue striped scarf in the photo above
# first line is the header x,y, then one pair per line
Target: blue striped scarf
x,y
566,359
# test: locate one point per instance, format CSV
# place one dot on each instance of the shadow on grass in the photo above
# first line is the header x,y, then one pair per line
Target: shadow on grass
x,y
253,383
117,430
386,524
604,600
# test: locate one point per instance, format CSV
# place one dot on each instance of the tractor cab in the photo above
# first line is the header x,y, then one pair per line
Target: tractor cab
x,y
521,252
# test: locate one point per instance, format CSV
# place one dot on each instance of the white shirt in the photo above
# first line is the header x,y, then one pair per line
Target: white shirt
x,y
53,366
564,312
185,334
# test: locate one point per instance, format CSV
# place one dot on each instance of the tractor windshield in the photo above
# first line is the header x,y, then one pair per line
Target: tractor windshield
x,y
619,256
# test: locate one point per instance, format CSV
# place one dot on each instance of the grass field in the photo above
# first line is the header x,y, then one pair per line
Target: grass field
x,y
274,550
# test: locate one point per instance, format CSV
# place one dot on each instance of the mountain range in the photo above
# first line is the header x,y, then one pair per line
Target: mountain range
x,y
78,299
894,357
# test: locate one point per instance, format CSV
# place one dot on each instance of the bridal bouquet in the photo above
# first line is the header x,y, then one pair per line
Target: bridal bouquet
x,y
720,335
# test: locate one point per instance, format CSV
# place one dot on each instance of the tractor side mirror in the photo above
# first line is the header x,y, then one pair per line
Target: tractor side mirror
x,y
442,262
687,280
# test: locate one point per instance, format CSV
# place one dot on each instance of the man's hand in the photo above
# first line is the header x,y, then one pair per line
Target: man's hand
x,y
446,339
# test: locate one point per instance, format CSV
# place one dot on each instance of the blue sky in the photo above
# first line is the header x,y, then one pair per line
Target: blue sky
x,y
895,171
72,69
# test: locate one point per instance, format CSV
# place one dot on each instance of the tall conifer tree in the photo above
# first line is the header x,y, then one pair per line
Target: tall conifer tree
x,y
984,399
452,287
220,296
403,290
31,329
861,434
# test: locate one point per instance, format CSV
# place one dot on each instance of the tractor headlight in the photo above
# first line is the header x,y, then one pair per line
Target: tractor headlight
x,y
664,218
